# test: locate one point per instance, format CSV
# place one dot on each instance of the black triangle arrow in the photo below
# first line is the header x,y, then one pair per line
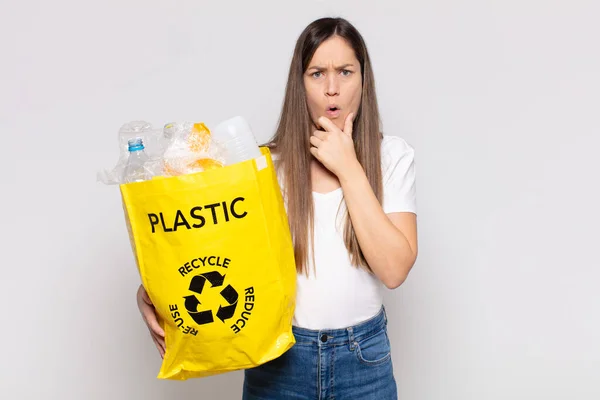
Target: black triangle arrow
x,y
191,303
226,312
215,278
202,317
197,284
229,294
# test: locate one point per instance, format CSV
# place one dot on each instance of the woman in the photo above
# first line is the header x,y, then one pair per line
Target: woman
x,y
353,232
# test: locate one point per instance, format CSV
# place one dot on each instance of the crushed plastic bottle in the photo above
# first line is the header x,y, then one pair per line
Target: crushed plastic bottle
x,y
154,145
178,148
135,170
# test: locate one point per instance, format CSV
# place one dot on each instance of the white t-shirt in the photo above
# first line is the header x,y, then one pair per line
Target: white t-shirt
x,y
337,294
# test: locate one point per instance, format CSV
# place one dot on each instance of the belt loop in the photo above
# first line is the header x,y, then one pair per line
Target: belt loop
x,y
351,338
384,314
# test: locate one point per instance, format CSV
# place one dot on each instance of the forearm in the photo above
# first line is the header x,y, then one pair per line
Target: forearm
x,y
386,249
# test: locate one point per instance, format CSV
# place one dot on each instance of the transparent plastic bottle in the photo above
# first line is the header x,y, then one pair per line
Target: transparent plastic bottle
x,y
237,139
135,170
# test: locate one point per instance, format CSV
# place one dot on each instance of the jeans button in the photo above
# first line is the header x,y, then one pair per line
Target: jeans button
x,y
323,338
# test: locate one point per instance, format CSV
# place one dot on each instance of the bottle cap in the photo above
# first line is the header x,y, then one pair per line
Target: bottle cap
x,y
135,144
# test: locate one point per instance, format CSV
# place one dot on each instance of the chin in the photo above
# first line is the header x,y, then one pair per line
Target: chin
x,y
339,122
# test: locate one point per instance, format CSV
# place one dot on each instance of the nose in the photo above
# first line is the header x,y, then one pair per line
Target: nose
x,y
332,86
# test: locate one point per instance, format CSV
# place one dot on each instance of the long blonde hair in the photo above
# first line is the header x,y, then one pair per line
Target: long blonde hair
x,y
292,138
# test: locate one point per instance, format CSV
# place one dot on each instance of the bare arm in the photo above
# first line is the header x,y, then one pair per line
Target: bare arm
x,y
388,242
149,315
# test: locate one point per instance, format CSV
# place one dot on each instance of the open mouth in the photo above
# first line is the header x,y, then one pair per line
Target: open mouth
x,y
333,111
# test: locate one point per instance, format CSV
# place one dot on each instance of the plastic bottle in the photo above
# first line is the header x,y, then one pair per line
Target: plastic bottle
x,y
135,170
237,139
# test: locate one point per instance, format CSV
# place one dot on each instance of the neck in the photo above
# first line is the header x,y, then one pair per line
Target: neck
x,y
322,179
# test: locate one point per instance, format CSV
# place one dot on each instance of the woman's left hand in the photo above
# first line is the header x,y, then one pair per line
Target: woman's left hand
x,y
334,147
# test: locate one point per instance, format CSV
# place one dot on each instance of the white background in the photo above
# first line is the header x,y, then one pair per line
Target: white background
x,y
500,99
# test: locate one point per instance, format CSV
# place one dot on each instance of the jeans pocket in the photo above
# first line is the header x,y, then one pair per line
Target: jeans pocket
x,y
374,350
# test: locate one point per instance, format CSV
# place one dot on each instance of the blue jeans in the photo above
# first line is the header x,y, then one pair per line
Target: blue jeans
x,y
341,364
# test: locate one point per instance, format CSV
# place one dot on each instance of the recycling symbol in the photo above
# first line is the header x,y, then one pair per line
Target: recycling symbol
x,y
192,304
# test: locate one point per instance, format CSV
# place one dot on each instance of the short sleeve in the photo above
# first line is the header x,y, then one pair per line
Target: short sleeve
x,y
399,176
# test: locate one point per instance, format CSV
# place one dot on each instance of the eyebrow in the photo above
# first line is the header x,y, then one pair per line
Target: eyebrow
x,y
318,67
